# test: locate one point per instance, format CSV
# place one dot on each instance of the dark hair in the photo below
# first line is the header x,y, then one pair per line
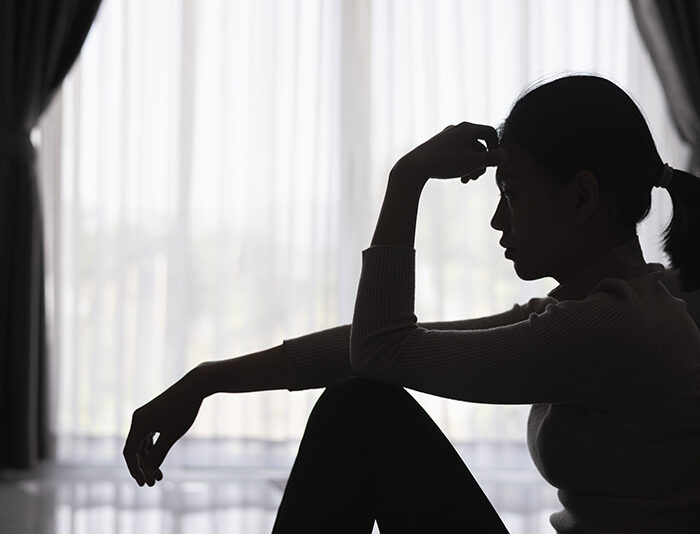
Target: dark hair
x,y
583,121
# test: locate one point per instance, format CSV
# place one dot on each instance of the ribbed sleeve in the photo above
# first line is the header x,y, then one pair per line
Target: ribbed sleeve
x,y
383,317
321,358
589,352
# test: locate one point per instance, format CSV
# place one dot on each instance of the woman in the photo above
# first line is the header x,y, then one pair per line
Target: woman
x,y
609,359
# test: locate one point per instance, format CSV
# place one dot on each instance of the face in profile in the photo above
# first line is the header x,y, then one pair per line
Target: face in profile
x,y
529,215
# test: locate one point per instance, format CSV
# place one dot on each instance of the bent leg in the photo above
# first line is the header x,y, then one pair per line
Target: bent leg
x,y
329,480
370,451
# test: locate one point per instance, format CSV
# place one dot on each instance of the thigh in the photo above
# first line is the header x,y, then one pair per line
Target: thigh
x,y
419,483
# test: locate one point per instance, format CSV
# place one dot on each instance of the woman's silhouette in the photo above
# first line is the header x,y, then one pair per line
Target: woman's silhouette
x,y
609,359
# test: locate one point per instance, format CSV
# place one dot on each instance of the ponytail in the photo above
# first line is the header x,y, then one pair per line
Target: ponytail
x,y
680,238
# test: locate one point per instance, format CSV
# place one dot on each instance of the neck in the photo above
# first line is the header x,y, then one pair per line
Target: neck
x,y
585,252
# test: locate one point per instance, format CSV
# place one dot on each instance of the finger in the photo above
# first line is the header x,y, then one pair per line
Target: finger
x,y
146,443
141,479
472,175
491,158
148,477
487,133
477,147
158,452
130,452
144,453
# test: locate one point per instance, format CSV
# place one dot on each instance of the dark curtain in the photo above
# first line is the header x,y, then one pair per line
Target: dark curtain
x,y
670,30
39,41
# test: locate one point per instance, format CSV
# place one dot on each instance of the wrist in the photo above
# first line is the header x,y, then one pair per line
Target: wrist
x,y
404,173
198,380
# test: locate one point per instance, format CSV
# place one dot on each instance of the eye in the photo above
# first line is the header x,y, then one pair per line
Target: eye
x,y
504,194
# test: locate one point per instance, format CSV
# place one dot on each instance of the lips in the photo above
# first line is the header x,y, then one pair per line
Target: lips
x,y
505,245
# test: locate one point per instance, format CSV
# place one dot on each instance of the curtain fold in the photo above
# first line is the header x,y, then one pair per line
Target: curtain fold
x,y
670,30
40,41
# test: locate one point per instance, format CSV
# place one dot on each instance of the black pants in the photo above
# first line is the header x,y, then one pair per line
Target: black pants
x,y
371,452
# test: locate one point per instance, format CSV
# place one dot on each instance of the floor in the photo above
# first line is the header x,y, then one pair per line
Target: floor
x,y
82,500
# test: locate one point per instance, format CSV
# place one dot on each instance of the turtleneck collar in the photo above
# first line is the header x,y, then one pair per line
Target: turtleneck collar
x,y
624,262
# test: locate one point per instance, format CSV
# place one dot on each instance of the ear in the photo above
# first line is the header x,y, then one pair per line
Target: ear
x,y
587,194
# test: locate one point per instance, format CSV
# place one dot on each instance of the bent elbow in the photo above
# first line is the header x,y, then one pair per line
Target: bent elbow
x,y
357,361
358,357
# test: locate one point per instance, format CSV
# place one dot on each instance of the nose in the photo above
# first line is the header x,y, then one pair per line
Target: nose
x,y
496,222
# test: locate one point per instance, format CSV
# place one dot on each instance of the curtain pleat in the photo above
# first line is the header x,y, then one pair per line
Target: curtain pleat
x,y
41,40
670,30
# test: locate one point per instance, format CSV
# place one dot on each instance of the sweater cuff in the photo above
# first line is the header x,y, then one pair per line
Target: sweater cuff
x,y
384,302
318,359
387,286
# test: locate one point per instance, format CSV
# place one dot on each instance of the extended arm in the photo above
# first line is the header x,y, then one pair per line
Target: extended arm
x,y
319,359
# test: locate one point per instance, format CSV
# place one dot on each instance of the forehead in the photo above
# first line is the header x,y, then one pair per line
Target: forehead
x,y
517,168
508,175
505,173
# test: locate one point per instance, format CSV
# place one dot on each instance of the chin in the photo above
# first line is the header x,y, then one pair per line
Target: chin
x,y
523,272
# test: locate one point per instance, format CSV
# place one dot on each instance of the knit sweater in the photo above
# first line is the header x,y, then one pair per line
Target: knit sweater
x,y
609,361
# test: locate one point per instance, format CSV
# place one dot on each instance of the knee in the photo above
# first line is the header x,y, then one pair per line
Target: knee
x,y
366,386
357,391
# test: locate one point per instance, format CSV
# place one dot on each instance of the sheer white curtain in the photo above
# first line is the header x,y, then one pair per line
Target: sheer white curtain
x,y
212,170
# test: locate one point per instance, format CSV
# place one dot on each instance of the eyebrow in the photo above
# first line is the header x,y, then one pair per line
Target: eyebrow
x,y
502,177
